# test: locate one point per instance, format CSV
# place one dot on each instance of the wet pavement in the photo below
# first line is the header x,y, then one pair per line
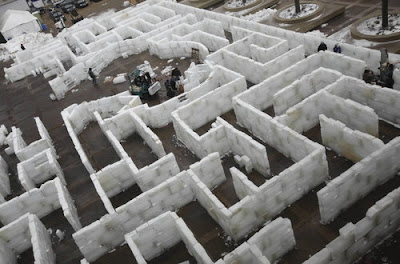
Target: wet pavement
x,y
23,100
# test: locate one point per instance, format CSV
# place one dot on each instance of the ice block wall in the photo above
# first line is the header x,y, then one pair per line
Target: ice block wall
x,y
70,79
160,115
352,144
76,117
157,172
23,151
38,64
384,101
303,88
261,95
304,115
41,242
67,204
155,236
355,240
51,196
282,138
128,123
243,186
268,200
396,78
372,57
211,106
96,239
7,256
25,232
16,235
255,71
4,180
369,173
39,169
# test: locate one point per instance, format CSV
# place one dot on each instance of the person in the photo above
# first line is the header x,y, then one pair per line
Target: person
x,y
22,46
173,83
384,56
337,48
176,73
170,92
93,76
322,47
147,79
389,76
369,76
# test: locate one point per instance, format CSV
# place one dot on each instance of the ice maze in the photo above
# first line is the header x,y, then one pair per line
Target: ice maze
x,y
259,92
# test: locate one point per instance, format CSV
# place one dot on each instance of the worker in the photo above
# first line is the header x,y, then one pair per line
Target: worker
x,y
337,48
176,73
22,46
322,47
384,56
369,76
168,87
92,75
147,79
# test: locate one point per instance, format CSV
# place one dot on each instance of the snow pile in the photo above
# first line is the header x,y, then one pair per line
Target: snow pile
x,y
305,10
167,70
30,41
373,25
239,3
260,15
316,33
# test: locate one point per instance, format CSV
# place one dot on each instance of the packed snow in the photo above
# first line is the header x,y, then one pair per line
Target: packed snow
x,y
30,41
373,25
305,10
239,3
260,15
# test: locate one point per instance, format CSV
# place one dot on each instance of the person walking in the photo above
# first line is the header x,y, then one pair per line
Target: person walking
x,y
92,75
22,46
322,47
337,49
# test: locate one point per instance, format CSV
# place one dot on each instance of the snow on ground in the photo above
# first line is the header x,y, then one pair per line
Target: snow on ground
x,y
373,25
239,3
167,70
316,33
260,15
344,36
103,15
305,10
30,41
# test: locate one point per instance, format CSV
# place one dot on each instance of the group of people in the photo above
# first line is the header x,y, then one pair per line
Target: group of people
x,y
173,85
322,47
385,77
143,80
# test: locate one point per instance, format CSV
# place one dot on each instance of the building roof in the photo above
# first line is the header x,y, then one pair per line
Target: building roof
x,y
14,18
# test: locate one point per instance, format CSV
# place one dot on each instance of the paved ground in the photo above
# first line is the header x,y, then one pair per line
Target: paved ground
x,y
23,100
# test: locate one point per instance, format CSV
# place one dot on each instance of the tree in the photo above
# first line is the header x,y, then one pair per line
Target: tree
x,y
297,5
385,22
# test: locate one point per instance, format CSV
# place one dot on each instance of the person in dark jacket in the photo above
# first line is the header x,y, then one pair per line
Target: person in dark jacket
x,y
170,92
337,48
176,73
22,46
92,75
322,47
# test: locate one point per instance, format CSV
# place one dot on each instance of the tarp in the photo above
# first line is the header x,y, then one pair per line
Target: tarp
x,y
16,22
